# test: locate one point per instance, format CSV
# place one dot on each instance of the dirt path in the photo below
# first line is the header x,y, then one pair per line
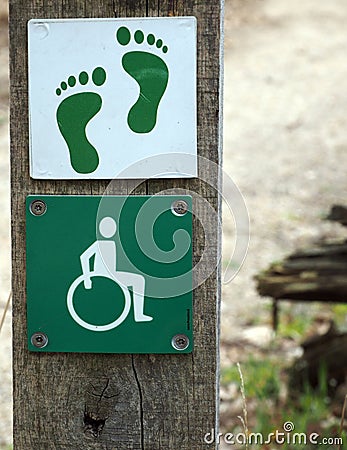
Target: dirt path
x,y
285,145
285,134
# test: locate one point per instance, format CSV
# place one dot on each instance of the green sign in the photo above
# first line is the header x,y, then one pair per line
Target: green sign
x,y
109,274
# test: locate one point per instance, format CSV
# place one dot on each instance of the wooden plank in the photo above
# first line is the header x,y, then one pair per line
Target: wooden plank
x,y
84,401
338,213
314,274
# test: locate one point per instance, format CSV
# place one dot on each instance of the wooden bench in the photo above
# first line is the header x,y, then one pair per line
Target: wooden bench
x,y
318,274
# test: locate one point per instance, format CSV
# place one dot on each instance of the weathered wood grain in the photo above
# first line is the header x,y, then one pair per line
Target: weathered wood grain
x,y
315,274
88,401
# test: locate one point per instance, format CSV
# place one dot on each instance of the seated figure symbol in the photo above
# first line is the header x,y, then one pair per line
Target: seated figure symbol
x,y
104,253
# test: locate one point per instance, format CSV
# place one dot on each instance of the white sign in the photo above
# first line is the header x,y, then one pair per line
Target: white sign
x,y
108,97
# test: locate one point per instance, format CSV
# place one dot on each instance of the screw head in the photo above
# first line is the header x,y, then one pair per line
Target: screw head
x,y
39,340
180,342
38,207
179,207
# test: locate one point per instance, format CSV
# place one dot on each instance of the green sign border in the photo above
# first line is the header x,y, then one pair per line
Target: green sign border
x,y
146,226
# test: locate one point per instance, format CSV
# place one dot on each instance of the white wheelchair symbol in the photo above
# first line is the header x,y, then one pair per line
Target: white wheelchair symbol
x,y
105,266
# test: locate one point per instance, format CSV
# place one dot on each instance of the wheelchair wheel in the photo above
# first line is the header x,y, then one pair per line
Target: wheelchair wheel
x,y
89,326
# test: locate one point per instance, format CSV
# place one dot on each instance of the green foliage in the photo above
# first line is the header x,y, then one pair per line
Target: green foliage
x,y
340,315
270,406
261,380
312,405
294,325
308,411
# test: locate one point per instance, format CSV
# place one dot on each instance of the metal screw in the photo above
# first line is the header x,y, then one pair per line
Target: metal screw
x,y
180,342
38,207
179,207
39,340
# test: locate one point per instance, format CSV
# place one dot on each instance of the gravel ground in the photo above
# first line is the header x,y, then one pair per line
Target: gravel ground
x,y
285,147
285,138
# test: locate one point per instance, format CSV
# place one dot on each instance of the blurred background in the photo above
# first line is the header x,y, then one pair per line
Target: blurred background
x,y
285,146
5,334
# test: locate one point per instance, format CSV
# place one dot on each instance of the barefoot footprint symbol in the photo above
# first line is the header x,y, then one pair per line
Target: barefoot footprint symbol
x,y
151,74
73,115
76,110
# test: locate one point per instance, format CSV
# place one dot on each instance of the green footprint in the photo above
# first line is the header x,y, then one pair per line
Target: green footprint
x,y
151,74
73,115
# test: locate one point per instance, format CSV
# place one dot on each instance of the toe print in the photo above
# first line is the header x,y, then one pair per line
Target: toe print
x,y
74,113
150,72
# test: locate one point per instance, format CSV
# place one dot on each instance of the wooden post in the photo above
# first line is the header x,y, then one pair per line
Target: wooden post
x,y
105,401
